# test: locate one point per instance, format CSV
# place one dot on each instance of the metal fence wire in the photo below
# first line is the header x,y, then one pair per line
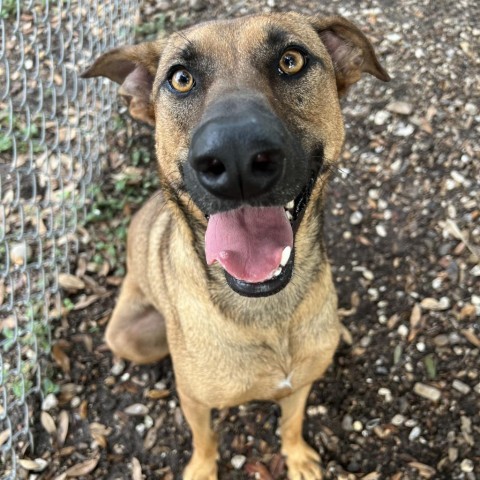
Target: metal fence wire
x,y
52,141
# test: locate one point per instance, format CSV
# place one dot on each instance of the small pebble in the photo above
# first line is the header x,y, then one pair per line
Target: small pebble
x,y
461,387
385,393
404,130
374,193
441,340
414,433
402,330
137,409
118,368
381,230
427,391
238,461
476,388
75,402
466,465
356,217
381,117
471,109
393,37
421,346
402,108
357,425
19,252
347,423
49,402
317,410
373,294
398,420
368,275
452,454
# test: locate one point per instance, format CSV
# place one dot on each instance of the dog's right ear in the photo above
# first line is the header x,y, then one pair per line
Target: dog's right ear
x,y
133,68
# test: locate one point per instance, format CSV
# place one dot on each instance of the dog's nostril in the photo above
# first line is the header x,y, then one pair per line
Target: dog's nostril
x,y
211,166
266,162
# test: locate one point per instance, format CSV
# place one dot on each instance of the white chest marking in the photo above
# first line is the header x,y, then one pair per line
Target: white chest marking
x,y
286,382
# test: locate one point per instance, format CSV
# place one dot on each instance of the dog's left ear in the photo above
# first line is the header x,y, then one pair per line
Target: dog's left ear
x,y
133,68
350,50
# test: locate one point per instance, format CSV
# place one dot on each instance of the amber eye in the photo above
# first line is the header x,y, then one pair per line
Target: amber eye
x,y
291,62
182,81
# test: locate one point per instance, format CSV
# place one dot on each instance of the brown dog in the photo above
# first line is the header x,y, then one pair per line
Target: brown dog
x,y
228,262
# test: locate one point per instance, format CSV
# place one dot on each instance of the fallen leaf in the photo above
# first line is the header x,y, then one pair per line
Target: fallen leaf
x,y
62,431
468,311
83,410
136,469
425,470
71,283
61,358
37,465
415,321
259,470
83,468
157,394
48,423
137,409
469,334
4,436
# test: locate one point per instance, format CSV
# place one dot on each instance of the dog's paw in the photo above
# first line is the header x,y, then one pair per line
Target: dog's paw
x,y
200,470
303,462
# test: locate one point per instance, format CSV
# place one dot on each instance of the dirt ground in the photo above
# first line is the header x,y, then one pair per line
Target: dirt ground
x,y
403,231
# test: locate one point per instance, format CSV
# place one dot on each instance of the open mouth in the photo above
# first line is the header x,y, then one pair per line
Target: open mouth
x,y
255,245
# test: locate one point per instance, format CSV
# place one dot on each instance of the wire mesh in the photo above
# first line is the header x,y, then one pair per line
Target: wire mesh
x,y
52,141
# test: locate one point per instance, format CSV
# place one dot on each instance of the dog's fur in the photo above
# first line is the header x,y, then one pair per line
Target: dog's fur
x,y
228,349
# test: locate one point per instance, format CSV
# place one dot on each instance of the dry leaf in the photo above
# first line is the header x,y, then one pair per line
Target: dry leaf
x,y
136,469
37,465
371,476
137,409
61,358
71,283
63,423
86,301
157,394
4,436
83,410
259,470
99,429
83,468
469,310
150,439
469,334
415,321
48,423
425,470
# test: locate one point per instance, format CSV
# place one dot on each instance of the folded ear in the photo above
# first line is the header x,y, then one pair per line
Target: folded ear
x,y
133,68
350,50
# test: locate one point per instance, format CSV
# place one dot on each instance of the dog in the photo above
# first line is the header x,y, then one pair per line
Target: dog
x,y
227,269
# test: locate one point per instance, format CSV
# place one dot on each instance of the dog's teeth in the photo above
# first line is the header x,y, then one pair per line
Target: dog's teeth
x,y
288,215
277,272
290,205
285,256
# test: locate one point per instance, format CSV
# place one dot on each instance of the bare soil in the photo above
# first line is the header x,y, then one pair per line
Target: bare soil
x,y
403,233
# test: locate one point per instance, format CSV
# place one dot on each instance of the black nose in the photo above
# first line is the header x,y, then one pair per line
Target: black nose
x,y
239,156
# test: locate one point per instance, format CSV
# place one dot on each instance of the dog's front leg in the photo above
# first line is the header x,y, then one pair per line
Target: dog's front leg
x,y
302,461
203,464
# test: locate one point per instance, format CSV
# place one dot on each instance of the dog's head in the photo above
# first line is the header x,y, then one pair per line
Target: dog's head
x,y
247,121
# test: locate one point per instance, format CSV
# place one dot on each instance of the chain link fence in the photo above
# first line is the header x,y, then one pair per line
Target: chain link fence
x,y
52,140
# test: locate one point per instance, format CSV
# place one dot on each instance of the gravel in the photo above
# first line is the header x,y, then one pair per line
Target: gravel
x,y
403,235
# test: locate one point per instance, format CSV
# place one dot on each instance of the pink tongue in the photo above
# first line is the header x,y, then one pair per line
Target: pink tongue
x,y
248,242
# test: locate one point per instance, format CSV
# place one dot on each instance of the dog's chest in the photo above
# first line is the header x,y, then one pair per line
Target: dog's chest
x,y
263,367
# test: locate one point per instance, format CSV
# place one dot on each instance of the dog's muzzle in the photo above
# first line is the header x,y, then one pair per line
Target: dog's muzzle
x,y
242,171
